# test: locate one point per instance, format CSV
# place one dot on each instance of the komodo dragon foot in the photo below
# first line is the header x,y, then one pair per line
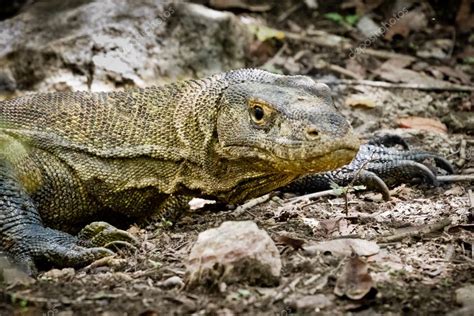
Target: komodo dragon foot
x,y
378,165
36,245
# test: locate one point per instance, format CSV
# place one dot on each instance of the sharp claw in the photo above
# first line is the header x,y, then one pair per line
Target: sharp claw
x,y
420,156
423,171
374,182
119,243
444,164
102,233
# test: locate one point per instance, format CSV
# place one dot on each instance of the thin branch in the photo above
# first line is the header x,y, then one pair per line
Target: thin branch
x,y
424,230
310,196
251,204
455,178
390,85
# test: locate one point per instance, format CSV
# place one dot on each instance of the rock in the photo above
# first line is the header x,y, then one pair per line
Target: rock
x,y
234,252
465,295
12,274
101,45
174,281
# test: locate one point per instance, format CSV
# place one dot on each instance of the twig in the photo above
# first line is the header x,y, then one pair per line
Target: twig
x,y
351,184
326,40
344,71
471,203
250,204
425,230
462,153
309,196
390,85
386,55
289,12
455,177
269,63
471,197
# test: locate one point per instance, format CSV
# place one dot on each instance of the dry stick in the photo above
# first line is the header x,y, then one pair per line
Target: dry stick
x,y
471,197
386,54
455,177
289,12
351,184
344,71
421,232
309,196
471,203
272,60
462,153
251,203
389,85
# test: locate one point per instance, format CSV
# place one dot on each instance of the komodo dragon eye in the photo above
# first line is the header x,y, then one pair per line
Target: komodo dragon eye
x,y
260,112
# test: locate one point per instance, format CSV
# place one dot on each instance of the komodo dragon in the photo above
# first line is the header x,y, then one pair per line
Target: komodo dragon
x,y
69,159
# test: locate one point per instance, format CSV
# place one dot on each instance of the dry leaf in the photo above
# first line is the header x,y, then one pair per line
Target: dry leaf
x,y
197,203
464,18
354,66
355,281
412,21
391,72
295,243
358,100
438,48
455,73
263,33
423,123
343,247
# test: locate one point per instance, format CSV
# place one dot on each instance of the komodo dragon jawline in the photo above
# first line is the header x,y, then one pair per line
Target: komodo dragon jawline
x,y
68,159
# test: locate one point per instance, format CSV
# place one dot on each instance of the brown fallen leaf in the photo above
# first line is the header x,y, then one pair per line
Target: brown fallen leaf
x,y
414,20
358,100
342,247
391,72
423,123
295,243
355,281
455,73
362,7
464,17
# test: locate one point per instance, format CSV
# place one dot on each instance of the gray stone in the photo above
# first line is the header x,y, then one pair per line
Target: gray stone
x,y
234,252
102,45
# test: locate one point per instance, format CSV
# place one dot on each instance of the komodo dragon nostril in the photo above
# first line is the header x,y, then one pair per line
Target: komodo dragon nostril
x,y
312,132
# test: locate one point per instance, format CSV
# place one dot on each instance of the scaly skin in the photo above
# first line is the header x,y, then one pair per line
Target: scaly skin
x,y
68,159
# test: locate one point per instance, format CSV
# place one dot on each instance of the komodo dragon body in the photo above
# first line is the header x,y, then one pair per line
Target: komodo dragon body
x,y
69,159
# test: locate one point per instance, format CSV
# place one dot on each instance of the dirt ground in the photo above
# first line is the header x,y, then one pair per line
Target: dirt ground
x,y
417,272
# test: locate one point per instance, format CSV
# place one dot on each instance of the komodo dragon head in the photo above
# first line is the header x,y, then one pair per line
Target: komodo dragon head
x,y
287,123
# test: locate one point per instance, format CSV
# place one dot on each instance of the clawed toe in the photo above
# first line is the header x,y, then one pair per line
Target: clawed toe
x,y
101,234
373,182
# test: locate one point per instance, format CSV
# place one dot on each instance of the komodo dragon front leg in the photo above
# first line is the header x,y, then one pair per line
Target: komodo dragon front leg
x,y
23,234
378,165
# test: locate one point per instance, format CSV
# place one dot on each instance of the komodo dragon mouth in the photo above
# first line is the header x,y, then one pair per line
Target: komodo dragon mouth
x,y
300,161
